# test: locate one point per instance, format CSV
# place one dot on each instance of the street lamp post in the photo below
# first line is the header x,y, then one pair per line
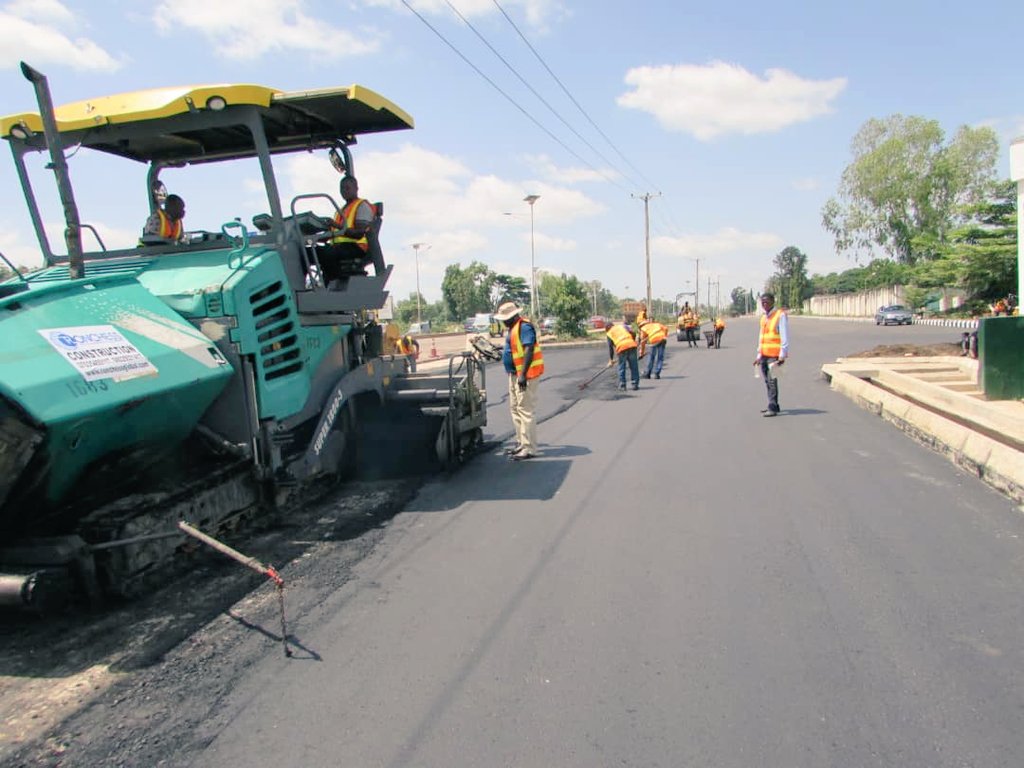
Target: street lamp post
x,y
416,250
530,200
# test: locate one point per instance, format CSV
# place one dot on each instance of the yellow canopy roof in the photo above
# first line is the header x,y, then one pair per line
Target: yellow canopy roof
x,y
154,125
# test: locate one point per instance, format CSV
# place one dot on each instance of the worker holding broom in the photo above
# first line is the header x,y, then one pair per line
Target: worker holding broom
x,y
653,338
622,343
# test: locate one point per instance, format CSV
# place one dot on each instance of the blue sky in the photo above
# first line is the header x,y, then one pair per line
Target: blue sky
x,y
736,117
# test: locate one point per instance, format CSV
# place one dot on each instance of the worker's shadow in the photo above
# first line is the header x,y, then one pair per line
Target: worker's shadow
x,y
802,411
537,479
562,451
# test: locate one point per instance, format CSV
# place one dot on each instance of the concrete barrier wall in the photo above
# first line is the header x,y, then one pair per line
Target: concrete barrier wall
x,y
866,303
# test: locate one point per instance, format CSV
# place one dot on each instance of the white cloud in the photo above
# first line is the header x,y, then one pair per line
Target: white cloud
x,y
720,98
559,244
1008,128
436,199
20,248
538,12
727,240
546,168
430,191
40,10
247,29
29,32
806,184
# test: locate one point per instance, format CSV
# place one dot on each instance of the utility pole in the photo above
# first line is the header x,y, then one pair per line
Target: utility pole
x,y
530,200
646,197
416,250
696,285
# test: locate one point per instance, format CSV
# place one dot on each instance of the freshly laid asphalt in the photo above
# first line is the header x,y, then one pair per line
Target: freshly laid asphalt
x,y
676,581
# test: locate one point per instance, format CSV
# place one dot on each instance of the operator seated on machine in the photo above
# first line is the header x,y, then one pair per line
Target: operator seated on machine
x,y
167,224
350,247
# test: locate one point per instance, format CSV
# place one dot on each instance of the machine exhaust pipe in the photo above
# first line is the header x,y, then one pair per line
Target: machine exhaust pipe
x,y
73,232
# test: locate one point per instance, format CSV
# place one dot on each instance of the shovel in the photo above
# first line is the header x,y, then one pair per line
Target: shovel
x,y
589,381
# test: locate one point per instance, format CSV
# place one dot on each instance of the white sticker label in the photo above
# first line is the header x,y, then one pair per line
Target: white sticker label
x,y
99,352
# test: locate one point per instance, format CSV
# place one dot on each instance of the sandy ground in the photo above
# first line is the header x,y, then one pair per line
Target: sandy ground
x,y
138,683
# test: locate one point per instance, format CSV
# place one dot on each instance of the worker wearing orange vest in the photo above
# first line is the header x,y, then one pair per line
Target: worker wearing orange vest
x,y
352,223
524,363
772,349
410,349
655,336
689,323
167,223
719,330
622,343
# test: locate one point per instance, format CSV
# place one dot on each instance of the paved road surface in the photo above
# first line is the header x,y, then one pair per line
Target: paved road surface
x,y
677,582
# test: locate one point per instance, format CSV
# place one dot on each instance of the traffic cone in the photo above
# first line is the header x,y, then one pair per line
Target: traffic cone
x,y
433,348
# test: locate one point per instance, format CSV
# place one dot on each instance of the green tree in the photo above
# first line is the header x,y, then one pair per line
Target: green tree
x,y
985,248
467,291
904,182
548,286
510,288
790,278
569,303
742,301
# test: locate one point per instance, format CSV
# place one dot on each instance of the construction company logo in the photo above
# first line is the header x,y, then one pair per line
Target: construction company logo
x,y
75,340
99,352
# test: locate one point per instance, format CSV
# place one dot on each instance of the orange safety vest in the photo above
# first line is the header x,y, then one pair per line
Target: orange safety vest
x,y
169,230
346,219
770,342
655,332
519,354
406,346
621,338
641,317
719,325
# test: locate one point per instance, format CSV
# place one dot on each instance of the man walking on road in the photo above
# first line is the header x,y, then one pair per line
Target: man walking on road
x,y
622,343
524,363
653,337
772,349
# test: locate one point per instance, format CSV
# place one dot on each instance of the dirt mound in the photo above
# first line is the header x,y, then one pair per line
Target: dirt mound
x,y
910,350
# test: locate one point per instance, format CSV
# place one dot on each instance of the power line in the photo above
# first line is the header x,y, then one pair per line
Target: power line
x,y
532,90
567,93
495,86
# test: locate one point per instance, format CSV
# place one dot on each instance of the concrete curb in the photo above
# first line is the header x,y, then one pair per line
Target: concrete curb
x,y
997,464
952,323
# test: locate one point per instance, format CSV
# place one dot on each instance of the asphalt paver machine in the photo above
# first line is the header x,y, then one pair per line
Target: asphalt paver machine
x,y
203,377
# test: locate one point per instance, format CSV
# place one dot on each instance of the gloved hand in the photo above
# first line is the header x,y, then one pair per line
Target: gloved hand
x,y
521,381
610,362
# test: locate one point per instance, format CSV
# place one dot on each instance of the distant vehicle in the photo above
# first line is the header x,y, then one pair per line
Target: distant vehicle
x,y
485,323
895,313
467,324
596,321
547,325
419,328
